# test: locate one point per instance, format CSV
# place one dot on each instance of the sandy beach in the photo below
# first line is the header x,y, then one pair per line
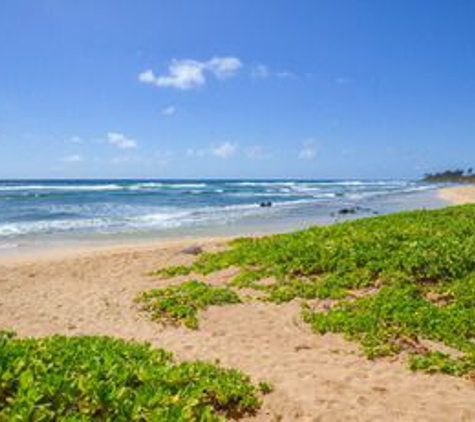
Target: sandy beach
x,y
458,195
315,378
250,211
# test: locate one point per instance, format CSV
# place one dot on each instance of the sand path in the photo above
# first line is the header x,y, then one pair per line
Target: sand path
x,y
316,378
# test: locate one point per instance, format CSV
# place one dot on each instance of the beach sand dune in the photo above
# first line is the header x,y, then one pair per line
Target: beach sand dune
x,y
315,378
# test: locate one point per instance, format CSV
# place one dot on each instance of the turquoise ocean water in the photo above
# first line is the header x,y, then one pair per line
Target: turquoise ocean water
x,y
41,211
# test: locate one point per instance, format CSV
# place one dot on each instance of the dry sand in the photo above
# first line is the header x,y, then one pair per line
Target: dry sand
x,y
316,378
458,195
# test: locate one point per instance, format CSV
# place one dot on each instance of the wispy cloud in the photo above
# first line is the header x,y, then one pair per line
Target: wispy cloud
x,y
309,150
187,74
73,158
256,152
223,67
120,141
192,152
263,71
75,140
260,71
286,75
225,150
168,111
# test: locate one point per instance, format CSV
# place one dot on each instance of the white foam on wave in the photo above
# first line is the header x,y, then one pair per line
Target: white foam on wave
x,y
256,206
145,186
40,227
278,183
315,194
187,185
113,216
13,188
306,189
262,184
165,185
159,220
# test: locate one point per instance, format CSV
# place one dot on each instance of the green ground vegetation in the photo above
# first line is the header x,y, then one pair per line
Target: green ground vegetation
x,y
180,304
393,281
99,378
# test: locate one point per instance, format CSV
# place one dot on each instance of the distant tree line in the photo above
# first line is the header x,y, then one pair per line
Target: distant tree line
x,y
454,176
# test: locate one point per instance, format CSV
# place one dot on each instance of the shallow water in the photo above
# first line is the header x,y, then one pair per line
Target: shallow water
x,y
40,212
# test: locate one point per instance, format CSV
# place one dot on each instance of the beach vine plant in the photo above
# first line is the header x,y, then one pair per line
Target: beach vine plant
x,y
398,283
180,304
100,378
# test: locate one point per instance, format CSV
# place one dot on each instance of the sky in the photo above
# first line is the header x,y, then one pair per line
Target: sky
x,y
236,88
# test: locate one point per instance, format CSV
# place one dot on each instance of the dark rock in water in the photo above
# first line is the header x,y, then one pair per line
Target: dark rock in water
x,y
345,211
193,250
265,204
355,209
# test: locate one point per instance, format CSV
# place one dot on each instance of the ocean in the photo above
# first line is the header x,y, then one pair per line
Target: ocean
x,y
41,212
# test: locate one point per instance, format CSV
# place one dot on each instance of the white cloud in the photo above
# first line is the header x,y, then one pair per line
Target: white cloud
x,y
286,75
75,140
147,77
225,150
183,74
309,150
224,67
168,111
120,141
190,74
192,152
73,158
260,71
256,152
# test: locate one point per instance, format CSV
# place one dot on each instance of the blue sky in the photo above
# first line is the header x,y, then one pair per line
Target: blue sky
x,y
236,89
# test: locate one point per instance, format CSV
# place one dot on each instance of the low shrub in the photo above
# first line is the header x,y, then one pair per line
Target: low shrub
x,y
395,280
180,304
99,378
